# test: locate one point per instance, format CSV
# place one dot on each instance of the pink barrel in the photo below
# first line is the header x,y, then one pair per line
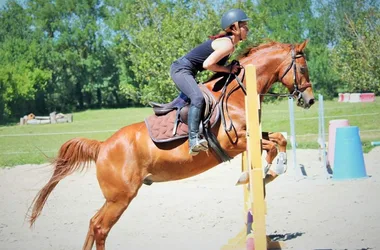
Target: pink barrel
x,y
333,125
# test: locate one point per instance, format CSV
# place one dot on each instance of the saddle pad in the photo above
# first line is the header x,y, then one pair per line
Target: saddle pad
x,y
161,127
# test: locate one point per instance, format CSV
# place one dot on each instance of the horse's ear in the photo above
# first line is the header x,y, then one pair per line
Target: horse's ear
x,y
300,47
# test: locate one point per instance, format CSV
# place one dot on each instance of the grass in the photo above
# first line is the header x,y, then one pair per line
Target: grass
x,y
34,144
364,115
38,143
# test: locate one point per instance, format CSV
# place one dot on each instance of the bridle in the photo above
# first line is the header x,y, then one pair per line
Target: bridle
x,y
297,89
296,92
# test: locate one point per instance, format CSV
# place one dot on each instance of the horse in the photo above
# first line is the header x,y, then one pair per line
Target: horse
x,y
129,156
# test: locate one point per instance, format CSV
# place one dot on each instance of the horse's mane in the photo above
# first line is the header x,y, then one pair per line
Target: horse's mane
x,y
252,49
248,51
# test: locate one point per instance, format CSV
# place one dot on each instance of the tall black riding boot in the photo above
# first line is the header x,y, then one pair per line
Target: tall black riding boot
x,y
196,144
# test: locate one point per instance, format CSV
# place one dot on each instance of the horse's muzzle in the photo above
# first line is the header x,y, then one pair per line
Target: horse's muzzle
x,y
305,101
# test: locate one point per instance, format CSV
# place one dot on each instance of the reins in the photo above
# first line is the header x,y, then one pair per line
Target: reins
x,y
297,91
224,97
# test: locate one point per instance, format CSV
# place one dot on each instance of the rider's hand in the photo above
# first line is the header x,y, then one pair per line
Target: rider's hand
x,y
234,68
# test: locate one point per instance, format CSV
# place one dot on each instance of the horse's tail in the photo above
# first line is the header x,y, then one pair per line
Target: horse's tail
x,y
75,154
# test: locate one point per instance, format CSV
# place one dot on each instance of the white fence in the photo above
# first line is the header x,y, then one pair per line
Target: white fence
x,y
51,119
356,97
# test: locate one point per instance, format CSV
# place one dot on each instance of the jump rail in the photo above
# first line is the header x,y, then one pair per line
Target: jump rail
x,y
254,191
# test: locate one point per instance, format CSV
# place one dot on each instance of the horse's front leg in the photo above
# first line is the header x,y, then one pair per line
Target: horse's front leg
x,y
281,142
270,142
271,149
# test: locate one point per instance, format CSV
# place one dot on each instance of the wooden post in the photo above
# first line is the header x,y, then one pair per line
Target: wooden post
x,y
69,117
252,162
254,159
52,117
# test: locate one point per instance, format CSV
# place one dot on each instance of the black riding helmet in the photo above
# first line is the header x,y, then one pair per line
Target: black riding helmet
x,y
232,16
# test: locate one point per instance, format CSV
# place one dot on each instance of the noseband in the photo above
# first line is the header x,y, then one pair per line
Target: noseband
x,y
297,90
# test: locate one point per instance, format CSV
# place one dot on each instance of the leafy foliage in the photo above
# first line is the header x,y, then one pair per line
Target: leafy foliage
x,y
21,74
357,56
68,55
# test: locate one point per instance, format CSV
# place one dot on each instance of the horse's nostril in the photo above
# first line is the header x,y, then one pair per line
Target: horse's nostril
x,y
311,102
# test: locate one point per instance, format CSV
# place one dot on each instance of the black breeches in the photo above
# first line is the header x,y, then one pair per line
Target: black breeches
x,y
184,78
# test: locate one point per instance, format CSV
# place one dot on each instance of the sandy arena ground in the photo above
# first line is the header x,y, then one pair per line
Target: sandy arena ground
x,y
199,213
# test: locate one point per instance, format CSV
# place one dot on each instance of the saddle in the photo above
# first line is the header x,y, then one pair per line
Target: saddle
x,y
169,122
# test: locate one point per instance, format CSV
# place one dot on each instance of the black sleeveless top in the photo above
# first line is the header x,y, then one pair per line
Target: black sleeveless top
x,y
200,53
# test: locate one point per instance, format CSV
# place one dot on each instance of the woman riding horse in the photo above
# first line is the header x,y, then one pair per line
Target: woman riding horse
x,y
210,55
129,156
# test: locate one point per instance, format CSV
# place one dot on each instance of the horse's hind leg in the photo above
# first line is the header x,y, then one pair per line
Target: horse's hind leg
x,y
89,242
102,222
112,213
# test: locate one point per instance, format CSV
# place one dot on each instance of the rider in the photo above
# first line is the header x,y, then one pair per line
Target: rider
x,y
210,55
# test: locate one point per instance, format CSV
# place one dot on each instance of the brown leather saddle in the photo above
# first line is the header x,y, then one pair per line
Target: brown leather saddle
x,y
169,123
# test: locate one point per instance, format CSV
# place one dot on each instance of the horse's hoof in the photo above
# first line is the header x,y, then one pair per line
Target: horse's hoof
x,y
243,179
147,181
281,166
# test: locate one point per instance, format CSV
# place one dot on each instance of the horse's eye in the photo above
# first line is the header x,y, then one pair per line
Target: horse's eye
x,y
303,70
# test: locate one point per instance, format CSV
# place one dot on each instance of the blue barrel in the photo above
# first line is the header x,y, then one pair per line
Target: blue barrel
x,y
349,159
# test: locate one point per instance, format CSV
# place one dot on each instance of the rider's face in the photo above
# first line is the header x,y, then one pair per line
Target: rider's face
x,y
243,30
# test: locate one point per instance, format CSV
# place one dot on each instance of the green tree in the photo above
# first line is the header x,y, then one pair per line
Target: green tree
x,y
151,35
322,37
84,74
21,73
286,21
357,55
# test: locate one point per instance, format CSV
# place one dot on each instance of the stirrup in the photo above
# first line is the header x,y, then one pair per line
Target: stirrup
x,y
202,145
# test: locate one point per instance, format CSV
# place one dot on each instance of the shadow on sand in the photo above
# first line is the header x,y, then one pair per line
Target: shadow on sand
x,y
285,237
290,236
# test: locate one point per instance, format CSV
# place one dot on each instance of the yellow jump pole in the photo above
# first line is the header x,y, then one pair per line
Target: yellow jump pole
x,y
254,160
251,162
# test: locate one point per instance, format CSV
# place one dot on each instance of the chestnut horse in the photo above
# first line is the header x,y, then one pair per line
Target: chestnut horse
x,y
129,156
